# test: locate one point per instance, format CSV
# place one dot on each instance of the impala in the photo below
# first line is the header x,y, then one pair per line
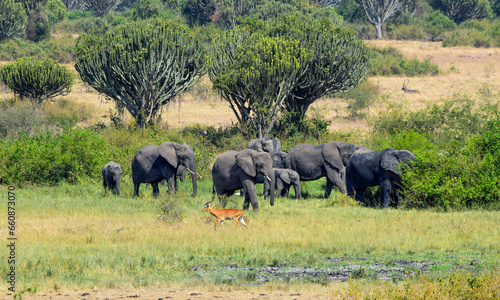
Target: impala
x,y
225,214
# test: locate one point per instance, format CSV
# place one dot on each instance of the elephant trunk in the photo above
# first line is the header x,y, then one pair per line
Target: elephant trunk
x,y
272,187
117,184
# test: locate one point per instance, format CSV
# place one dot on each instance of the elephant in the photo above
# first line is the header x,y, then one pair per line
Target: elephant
x,y
111,176
373,168
234,170
278,158
284,179
265,145
152,164
312,162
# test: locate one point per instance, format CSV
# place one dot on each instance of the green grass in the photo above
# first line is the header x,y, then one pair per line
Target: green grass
x,y
77,236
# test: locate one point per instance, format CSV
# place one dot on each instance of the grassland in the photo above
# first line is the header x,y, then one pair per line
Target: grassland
x,y
75,238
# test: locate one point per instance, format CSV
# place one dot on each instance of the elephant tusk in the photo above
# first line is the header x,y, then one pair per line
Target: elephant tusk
x,y
193,173
267,177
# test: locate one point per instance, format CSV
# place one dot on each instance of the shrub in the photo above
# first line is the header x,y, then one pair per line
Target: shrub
x,y
407,32
390,61
50,158
18,118
360,98
37,78
457,148
436,24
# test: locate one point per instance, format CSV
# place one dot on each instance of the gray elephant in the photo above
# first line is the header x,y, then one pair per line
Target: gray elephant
x,y
286,178
373,168
315,161
111,176
234,170
265,145
152,164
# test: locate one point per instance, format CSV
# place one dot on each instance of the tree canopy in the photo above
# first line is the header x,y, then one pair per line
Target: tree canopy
x,y
13,19
463,10
141,65
336,61
255,74
37,78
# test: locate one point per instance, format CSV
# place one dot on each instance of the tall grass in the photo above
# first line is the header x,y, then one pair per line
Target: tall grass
x,y
78,236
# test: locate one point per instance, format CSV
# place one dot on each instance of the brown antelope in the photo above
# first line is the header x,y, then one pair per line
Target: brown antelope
x,y
406,90
225,214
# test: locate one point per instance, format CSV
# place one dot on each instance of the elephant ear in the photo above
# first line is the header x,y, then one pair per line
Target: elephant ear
x,y
244,159
167,151
332,155
390,162
286,177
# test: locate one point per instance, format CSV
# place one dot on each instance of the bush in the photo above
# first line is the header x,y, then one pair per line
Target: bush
x,y
457,146
360,98
436,24
37,78
390,61
19,118
50,158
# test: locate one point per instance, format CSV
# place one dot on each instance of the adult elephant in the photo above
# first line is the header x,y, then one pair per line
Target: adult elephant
x,y
265,145
111,176
152,164
234,170
373,168
315,161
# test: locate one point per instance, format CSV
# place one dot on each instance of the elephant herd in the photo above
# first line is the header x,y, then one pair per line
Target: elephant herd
x,y
351,168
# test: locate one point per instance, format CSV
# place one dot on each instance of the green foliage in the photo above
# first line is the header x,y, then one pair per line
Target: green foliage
x,y
37,78
100,8
51,158
76,14
144,9
390,61
360,98
257,80
406,32
461,11
13,19
456,145
61,51
436,24
474,33
198,12
141,65
19,118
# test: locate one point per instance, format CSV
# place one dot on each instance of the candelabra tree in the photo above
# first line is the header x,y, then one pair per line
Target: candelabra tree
x,y
142,65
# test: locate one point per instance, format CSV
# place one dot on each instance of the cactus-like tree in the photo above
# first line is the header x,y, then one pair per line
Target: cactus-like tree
x,y
255,74
461,11
37,78
100,8
13,19
141,65
336,61
378,11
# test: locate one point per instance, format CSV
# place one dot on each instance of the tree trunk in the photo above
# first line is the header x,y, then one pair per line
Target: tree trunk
x,y
378,28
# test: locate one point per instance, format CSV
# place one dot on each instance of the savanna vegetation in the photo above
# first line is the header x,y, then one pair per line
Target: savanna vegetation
x,y
293,70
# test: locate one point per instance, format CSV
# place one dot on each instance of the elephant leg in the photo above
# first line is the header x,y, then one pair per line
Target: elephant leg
x,y
250,195
286,190
156,190
386,191
279,187
334,178
172,184
359,195
136,188
329,186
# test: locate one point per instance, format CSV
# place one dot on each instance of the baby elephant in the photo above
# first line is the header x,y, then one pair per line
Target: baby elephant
x,y
111,175
284,179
